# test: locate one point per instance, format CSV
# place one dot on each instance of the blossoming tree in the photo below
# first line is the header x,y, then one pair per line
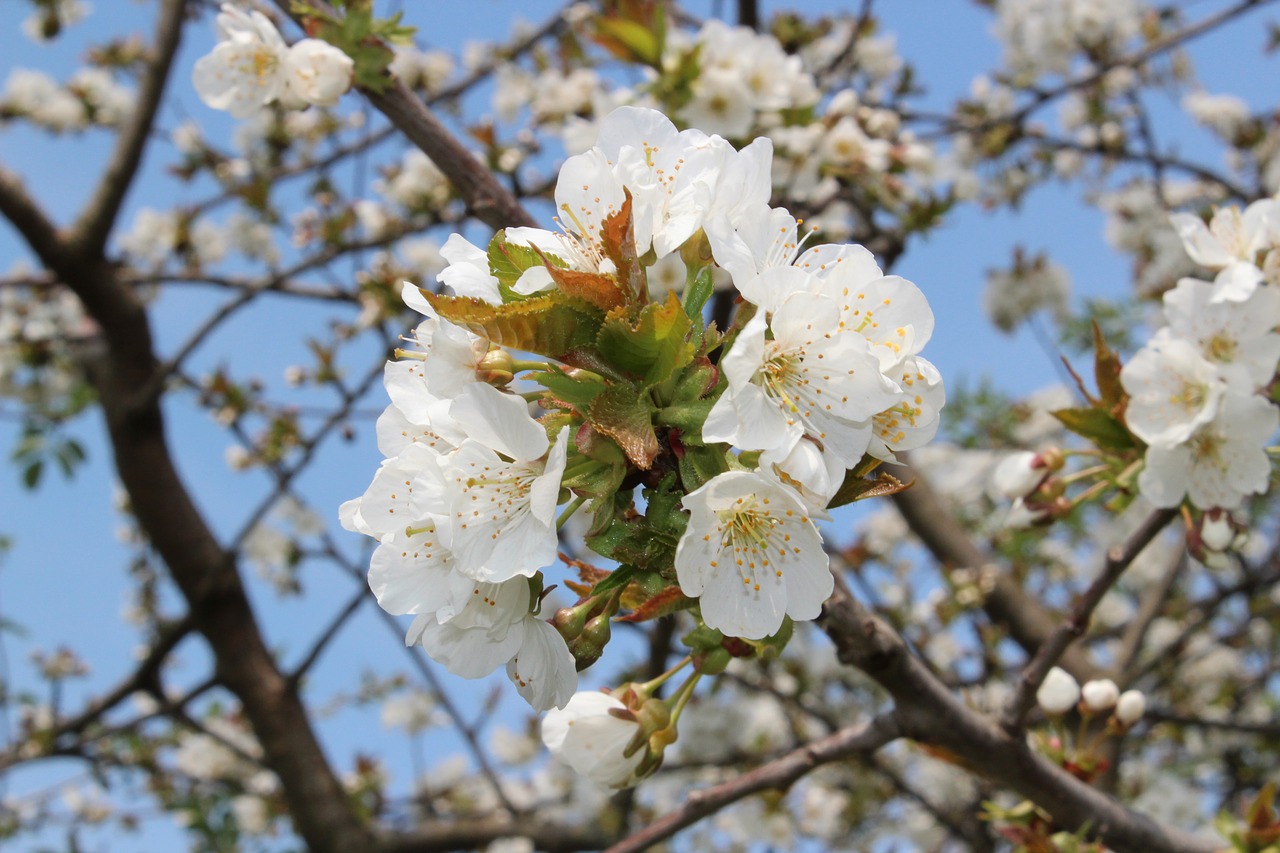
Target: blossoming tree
x,y
660,440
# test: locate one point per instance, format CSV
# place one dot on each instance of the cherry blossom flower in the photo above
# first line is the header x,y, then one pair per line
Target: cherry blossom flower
x,y
587,736
1220,462
752,555
501,486
815,378
1239,336
1173,391
1229,244
251,66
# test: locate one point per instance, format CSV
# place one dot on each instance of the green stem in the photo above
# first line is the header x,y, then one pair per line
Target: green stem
x,y
649,686
570,510
518,365
683,695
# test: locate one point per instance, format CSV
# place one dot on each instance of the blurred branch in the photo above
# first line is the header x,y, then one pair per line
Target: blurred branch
x,y
778,774
91,230
487,199
1028,621
1118,559
928,713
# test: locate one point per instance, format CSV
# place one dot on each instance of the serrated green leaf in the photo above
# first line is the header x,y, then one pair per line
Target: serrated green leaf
x,y
1097,426
625,414
857,488
653,345
617,579
550,325
670,600
577,391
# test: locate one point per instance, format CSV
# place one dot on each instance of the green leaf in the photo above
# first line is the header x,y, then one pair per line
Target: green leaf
x,y
696,294
617,579
646,541
652,346
699,464
577,391
670,600
1098,426
551,324
31,474
508,261
858,488
623,37
625,414
1106,371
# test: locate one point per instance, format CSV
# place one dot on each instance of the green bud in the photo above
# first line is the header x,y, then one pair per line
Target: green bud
x,y
589,645
712,661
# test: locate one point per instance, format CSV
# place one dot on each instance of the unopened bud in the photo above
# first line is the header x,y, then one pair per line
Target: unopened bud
x,y
1019,474
1130,707
496,368
712,662
1058,693
588,646
1216,531
1100,695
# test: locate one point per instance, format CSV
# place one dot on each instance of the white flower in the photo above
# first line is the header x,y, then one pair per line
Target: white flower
x,y
1130,707
244,71
1173,391
1229,244
1220,463
251,67
1239,337
1216,531
1100,694
751,555
317,72
502,508
913,421
591,740
1058,693
816,377
543,670
482,635
451,354
468,270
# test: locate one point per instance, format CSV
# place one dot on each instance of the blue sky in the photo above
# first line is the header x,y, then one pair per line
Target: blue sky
x,y
65,578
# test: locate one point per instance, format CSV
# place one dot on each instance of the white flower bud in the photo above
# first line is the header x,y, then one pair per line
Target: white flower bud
x,y
1058,693
1130,707
1100,695
1018,474
592,741
1216,531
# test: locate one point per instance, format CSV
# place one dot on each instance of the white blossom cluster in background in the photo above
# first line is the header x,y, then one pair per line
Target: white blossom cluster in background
x,y
252,66
1199,390
827,369
1046,36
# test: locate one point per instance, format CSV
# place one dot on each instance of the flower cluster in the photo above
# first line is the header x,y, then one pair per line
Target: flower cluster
x,y
1198,391
740,439
252,67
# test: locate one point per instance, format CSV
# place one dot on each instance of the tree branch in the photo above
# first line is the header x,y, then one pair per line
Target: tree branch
x,y
1027,620
487,199
930,714
1118,559
17,205
778,774
94,225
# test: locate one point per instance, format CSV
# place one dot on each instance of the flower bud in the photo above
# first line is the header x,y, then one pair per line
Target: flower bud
x,y
1058,693
1019,474
1100,695
1216,531
588,646
1130,707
